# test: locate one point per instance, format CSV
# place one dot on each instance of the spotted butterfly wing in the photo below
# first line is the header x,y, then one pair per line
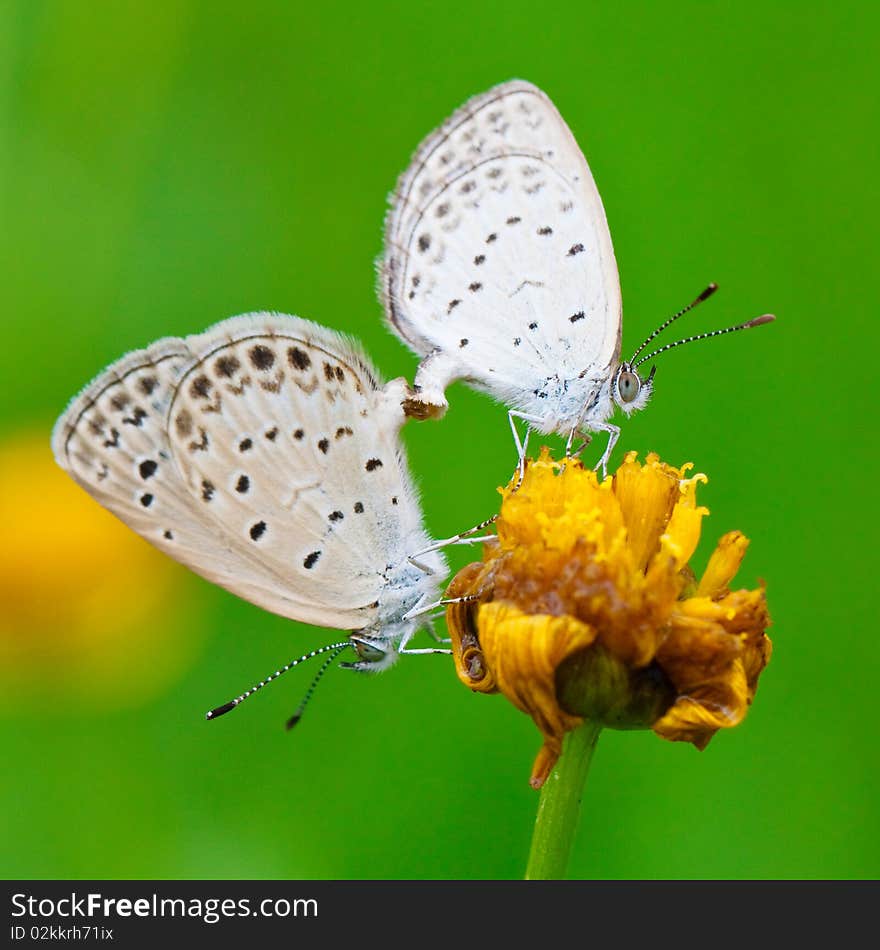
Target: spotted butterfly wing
x,y
498,261
264,455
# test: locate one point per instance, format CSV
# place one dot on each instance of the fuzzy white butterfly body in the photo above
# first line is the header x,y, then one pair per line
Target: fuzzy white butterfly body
x,y
264,455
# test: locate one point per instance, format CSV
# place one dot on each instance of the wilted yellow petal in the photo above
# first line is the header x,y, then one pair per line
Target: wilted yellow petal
x,y
523,651
698,715
737,612
461,624
695,649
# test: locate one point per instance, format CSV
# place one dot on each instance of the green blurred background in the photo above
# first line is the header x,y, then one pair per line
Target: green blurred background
x,y
165,165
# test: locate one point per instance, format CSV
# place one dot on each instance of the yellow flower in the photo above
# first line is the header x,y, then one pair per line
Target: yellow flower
x,y
585,607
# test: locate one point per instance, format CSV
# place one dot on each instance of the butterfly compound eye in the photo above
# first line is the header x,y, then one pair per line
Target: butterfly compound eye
x,y
628,385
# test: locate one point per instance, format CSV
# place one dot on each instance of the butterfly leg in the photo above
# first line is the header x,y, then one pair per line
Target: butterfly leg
x,y
522,445
424,568
613,435
418,610
576,452
429,626
425,651
465,537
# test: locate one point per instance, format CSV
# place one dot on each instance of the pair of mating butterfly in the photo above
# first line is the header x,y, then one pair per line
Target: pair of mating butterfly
x,y
264,453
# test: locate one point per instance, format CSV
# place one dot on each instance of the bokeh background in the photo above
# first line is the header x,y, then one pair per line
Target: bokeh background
x,y
165,165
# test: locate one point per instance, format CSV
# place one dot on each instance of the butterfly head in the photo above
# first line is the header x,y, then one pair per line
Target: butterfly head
x,y
629,390
374,653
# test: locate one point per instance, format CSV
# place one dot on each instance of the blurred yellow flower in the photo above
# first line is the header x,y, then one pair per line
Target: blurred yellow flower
x,y
84,600
585,607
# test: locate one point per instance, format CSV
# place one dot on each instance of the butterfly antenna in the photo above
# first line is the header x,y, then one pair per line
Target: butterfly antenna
x,y
295,718
228,707
705,295
756,322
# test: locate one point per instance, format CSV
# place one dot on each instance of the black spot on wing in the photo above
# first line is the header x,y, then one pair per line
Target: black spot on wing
x,y
227,366
183,423
298,358
257,530
147,468
136,418
311,560
200,387
202,444
261,357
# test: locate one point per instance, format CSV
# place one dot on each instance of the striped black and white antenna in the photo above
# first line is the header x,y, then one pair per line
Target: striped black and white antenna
x,y
333,648
295,718
705,295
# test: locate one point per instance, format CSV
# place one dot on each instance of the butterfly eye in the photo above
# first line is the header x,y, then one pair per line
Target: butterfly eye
x,y
366,651
628,385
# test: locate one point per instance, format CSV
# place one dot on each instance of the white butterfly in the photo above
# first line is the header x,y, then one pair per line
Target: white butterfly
x,y
499,270
264,455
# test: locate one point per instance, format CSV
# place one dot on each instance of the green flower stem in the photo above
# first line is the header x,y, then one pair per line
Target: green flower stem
x,y
560,805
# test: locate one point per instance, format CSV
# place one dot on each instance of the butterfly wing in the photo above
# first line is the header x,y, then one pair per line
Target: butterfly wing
x,y
263,454
497,250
